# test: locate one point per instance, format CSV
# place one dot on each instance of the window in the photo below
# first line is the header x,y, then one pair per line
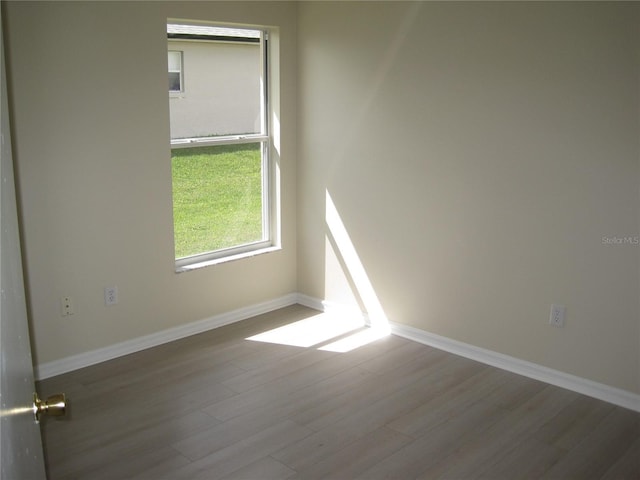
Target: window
x,y
175,71
220,143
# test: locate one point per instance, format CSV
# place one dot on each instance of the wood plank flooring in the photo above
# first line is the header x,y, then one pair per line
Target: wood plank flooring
x,y
219,406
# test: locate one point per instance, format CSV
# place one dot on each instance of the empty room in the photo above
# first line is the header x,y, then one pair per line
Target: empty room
x,y
368,239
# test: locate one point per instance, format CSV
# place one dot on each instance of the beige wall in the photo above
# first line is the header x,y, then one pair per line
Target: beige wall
x,y
477,154
221,89
91,127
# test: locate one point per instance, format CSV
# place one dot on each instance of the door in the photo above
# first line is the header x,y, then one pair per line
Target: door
x,y
21,456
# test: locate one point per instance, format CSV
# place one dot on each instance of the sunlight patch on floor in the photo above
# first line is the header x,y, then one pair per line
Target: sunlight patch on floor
x,y
311,331
356,340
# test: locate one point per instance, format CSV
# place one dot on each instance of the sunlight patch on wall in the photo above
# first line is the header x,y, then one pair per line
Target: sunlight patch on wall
x,y
338,286
340,329
353,268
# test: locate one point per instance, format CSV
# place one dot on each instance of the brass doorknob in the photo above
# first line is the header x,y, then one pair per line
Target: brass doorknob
x,y
55,405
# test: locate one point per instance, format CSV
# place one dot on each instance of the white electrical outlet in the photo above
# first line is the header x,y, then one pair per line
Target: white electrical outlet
x,y
110,296
556,318
66,306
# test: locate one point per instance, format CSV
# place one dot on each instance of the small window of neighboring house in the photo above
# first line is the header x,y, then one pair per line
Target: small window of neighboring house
x,y
175,71
221,141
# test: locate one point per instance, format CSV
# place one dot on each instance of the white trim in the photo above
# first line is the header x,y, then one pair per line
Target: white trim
x,y
64,365
574,383
310,302
187,267
329,307
616,396
222,140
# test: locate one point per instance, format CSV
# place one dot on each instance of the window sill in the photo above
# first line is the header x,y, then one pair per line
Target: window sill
x,y
229,258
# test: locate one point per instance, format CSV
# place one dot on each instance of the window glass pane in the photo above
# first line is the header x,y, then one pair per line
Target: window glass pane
x,y
221,204
174,82
175,62
224,92
217,197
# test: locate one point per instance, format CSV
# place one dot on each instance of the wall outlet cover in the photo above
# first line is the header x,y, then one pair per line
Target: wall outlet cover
x,y
556,317
110,296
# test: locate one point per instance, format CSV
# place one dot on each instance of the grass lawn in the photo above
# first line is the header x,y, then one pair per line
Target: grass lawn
x,y
217,197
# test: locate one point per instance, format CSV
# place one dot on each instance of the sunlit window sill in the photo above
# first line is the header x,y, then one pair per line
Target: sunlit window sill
x,y
228,258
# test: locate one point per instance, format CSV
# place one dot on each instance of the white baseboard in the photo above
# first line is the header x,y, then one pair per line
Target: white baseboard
x,y
574,383
329,307
581,385
81,360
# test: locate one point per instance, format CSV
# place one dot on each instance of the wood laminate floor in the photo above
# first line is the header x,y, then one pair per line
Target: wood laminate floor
x,y
221,406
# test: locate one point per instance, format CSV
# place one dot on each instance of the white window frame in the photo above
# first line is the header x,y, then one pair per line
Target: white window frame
x,y
270,220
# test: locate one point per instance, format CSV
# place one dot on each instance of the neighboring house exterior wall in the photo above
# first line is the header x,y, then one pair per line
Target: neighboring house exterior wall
x,y
218,96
